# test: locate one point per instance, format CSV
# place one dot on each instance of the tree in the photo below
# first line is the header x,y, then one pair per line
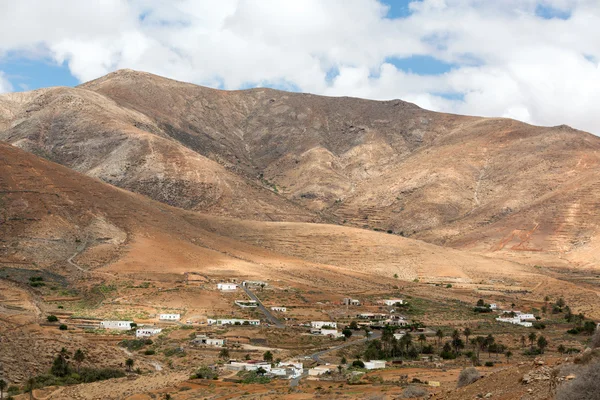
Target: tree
x,y
532,337
422,340
343,361
508,355
52,318
3,386
353,325
467,332
480,303
129,363
30,385
224,354
523,340
561,302
340,368
60,365
561,349
440,335
79,356
268,356
247,357
347,332
542,343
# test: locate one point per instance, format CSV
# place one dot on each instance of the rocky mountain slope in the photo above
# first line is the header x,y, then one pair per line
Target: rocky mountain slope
x,y
262,154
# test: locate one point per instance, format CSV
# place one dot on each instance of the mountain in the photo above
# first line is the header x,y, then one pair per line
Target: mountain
x,y
59,220
487,184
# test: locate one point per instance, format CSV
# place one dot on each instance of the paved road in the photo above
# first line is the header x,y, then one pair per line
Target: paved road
x,y
262,308
317,356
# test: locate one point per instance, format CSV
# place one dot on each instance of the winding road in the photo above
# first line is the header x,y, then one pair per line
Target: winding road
x,y
270,317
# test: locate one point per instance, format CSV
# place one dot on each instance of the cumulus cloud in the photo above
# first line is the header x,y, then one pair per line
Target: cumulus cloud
x,y
533,60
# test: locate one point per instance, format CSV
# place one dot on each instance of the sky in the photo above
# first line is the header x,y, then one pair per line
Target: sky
x,y
533,60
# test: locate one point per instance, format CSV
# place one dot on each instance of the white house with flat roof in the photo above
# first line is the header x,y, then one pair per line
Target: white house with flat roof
x,y
208,341
232,321
225,286
147,332
321,324
375,364
251,365
169,317
246,303
279,309
117,325
392,302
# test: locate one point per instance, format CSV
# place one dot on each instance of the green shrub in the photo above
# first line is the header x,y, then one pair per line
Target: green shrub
x,y
149,352
358,364
52,318
489,364
204,373
63,327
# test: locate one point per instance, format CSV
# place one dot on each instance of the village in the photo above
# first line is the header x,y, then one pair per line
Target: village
x,y
244,345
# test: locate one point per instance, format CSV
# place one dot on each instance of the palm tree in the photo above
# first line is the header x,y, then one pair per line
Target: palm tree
x,y
224,354
508,355
422,340
532,337
78,357
268,356
523,340
129,363
440,335
542,343
30,384
3,385
467,332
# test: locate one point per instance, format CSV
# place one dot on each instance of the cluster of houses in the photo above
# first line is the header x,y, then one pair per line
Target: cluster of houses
x,y
227,286
517,318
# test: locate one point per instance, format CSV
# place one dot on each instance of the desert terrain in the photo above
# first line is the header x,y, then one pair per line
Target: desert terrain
x,y
134,196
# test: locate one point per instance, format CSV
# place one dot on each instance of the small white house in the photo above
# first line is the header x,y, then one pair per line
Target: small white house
x,y
321,369
330,332
493,306
169,317
375,364
147,332
208,341
233,321
320,324
279,309
350,302
393,302
117,325
225,286
525,317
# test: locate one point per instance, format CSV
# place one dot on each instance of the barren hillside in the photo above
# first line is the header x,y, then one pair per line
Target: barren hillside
x,y
264,154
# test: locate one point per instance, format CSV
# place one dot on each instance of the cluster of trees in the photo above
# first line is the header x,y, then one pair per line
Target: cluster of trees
x,y
581,325
482,307
390,347
63,373
534,339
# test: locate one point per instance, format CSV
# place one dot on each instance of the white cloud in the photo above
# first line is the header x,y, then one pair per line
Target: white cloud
x,y
507,60
5,85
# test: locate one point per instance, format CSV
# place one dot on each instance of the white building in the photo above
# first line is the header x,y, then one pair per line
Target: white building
x,y
393,302
375,364
399,335
493,306
350,302
233,321
169,317
321,369
515,321
279,309
327,332
227,286
525,317
147,332
118,325
246,303
320,324
372,316
248,366
205,340
288,370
